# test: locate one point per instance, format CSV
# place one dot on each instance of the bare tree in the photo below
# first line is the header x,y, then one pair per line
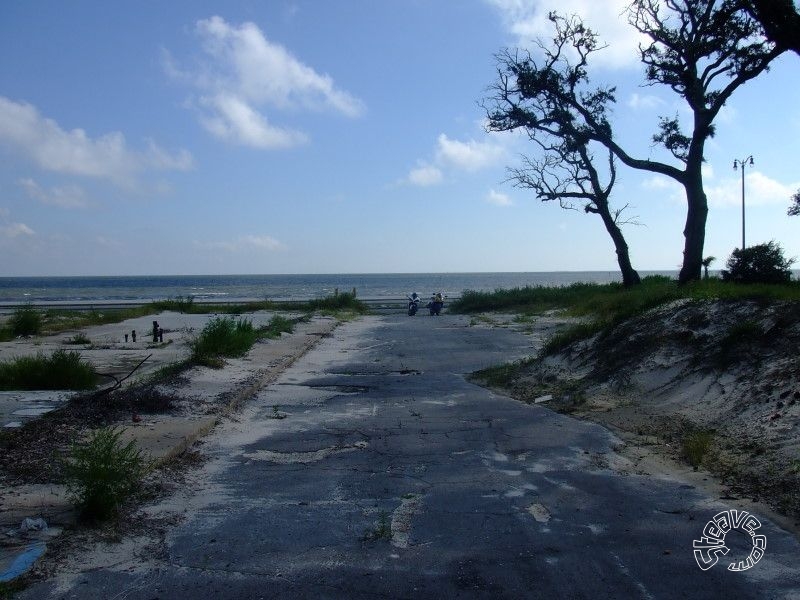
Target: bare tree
x,y
566,170
702,49
794,207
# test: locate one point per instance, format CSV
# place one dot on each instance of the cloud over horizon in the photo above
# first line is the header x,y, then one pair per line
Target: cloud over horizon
x,y
244,243
73,152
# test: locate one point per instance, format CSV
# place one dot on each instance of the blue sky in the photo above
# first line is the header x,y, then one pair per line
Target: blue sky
x,y
332,137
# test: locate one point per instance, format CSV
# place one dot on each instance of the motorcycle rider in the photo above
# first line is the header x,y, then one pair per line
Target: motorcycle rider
x,y
413,303
436,303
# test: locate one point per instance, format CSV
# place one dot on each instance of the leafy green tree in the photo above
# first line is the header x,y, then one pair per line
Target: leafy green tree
x,y
780,20
763,263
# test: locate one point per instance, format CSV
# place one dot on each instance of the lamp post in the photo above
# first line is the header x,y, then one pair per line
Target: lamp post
x,y
743,163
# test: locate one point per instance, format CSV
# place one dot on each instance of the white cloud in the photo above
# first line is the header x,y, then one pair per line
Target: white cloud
x,y
760,190
527,20
17,229
10,230
246,72
244,243
69,196
425,175
469,155
498,198
235,121
74,152
158,158
645,101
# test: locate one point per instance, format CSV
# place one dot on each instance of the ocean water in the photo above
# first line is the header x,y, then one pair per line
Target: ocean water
x,y
234,288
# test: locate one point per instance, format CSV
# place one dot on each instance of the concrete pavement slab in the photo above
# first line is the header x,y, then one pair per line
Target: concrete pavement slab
x,y
393,476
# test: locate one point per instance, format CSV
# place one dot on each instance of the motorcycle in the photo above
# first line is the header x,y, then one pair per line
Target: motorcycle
x,y
436,304
413,304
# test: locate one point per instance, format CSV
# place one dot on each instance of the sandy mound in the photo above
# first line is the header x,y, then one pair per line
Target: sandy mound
x,y
717,382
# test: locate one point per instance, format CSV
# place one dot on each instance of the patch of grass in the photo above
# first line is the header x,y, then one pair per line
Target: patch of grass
x,y
561,340
177,304
79,339
61,371
486,320
223,337
277,325
170,371
695,446
336,304
501,375
524,319
56,320
742,333
612,302
736,342
102,473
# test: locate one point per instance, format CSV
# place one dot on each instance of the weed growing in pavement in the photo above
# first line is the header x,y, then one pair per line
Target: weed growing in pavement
x,y
103,472
276,414
382,531
61,371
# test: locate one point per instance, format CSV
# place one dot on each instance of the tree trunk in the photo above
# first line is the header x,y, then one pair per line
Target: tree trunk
x,y
629,275
695,231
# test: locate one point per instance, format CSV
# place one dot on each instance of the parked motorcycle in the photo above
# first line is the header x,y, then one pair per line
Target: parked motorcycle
x,y
413,304
436,304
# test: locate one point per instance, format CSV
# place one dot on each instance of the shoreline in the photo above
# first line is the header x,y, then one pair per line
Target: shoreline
x,y
382,303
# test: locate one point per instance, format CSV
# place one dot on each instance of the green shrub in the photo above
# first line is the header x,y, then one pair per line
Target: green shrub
x,y
26,320
345,301
177,304
695,445
61,371
78,339
223,336
763,263
103,472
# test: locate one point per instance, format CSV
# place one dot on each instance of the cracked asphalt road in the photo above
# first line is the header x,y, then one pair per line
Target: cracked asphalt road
x,y
373,469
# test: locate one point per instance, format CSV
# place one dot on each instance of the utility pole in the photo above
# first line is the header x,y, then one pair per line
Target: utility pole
x,y
743,163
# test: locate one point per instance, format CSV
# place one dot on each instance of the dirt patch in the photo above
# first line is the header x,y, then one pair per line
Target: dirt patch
x,y
34,452
714,384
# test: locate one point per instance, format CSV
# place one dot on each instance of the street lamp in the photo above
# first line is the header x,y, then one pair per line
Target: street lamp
x,y
743,164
